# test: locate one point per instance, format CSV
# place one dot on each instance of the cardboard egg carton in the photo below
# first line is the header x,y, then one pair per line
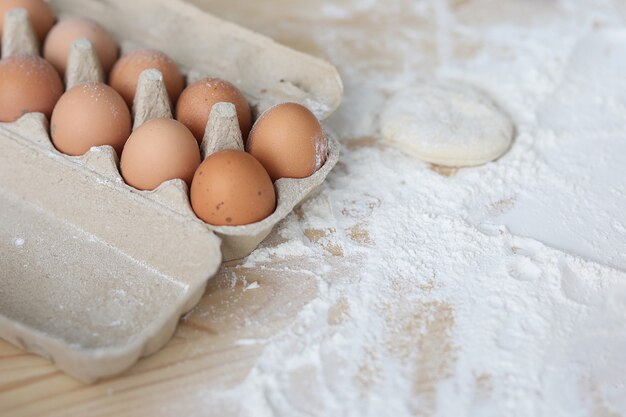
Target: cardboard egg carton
x,y
94,273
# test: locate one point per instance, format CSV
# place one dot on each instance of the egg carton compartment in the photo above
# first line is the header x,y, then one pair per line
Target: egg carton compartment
x,y
94,273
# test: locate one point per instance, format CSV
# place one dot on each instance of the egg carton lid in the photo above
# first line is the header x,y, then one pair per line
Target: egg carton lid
x,y
268,73
95,275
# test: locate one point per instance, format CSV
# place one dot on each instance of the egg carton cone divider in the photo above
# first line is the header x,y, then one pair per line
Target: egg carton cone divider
x,y
95,274
18,36
83,65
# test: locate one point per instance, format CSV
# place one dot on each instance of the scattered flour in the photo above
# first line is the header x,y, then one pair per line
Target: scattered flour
x,y
252,286
428,305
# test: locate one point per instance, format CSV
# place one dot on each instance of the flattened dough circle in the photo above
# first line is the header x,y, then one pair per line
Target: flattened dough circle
x,y
447,124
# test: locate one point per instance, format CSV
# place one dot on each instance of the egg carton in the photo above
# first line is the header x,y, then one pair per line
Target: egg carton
x,y
95,274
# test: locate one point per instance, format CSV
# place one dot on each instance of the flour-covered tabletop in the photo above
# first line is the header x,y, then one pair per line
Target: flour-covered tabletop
x,y
406,289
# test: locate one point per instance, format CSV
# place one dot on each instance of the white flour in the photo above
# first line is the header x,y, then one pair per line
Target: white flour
x,y
427,305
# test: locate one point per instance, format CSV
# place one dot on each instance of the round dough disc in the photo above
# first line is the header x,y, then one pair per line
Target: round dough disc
x,y
447,124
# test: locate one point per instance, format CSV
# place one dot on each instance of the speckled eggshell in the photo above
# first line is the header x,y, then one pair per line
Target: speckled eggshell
x,y
28,84
158,151
195,103
40,15
90,115
63,34
232,188
125,73
289,141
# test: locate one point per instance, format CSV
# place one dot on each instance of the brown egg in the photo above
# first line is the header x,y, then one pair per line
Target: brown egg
x,y
28,84
231,188
90,115
63,34
39,13
158,151
289,141
125,73
196,101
